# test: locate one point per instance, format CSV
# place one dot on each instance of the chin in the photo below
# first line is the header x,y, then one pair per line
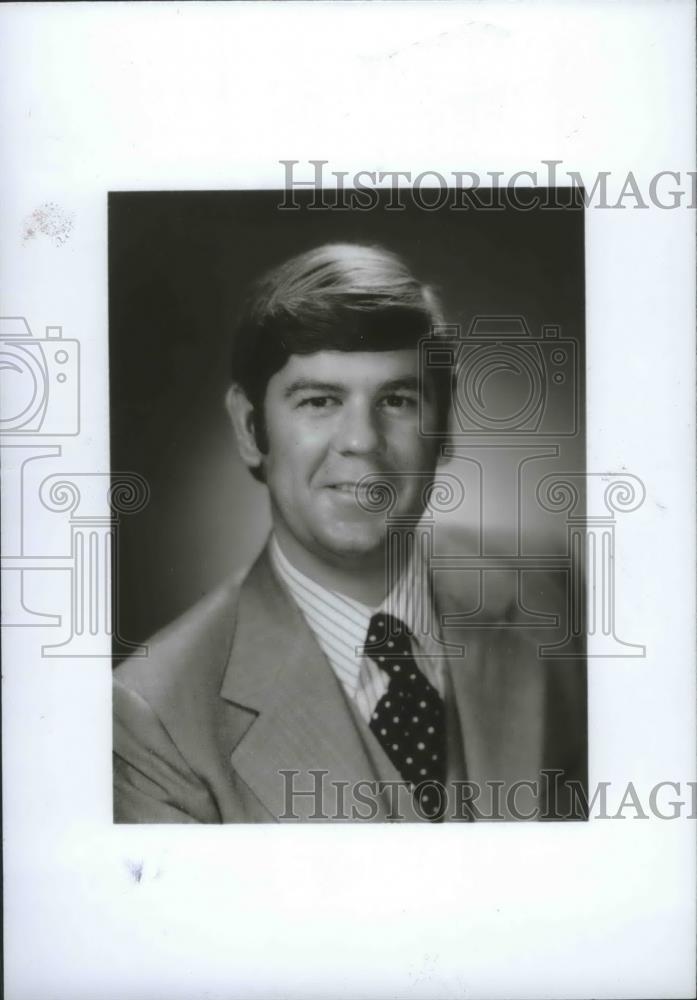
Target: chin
x,y
354,545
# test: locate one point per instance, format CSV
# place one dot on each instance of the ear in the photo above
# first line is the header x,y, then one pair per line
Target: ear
x,y
241,413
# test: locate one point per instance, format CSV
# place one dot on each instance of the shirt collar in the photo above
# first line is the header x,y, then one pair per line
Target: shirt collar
x,y
409,600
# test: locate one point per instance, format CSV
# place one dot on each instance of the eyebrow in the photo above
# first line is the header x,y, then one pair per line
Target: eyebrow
x,y
409,382
304,384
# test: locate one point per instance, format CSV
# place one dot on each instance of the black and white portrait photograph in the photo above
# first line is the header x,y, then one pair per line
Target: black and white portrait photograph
x,y
365,422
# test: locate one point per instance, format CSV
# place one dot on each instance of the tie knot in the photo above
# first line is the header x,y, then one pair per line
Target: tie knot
x,y
387,637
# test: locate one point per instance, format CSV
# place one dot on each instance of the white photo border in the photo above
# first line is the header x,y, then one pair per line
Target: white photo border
x,y
107,97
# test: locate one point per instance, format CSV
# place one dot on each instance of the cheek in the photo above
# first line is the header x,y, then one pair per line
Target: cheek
x,y
295,451
411,450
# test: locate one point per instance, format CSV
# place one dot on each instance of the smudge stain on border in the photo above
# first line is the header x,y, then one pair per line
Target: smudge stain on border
x,y
51,221
135,869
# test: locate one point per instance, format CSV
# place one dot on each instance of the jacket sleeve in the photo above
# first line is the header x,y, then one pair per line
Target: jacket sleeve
x,y
152,781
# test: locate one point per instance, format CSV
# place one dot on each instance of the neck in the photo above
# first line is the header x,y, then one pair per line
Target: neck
x,y
363,581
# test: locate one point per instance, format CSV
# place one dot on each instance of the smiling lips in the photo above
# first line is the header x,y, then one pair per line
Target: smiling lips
x,y
354,491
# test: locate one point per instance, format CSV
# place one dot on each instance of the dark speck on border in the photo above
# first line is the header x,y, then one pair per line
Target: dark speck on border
x,y
136,870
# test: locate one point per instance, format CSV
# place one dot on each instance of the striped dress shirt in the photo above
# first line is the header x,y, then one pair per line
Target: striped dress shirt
x,y
340,625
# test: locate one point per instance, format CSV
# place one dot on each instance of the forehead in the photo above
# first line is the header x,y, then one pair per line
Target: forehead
x,y
349,368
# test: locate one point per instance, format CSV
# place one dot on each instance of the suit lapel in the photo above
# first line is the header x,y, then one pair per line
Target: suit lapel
x,y
289,713
298,717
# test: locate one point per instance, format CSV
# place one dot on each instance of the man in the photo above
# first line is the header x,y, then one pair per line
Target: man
x,y
324,684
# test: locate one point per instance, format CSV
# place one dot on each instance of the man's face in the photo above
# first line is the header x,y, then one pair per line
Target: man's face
x,y
331,419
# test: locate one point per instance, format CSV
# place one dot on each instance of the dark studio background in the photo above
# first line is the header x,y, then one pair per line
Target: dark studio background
x,y
179,265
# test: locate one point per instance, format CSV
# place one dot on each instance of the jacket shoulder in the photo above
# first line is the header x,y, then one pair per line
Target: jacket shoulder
x,y
186,659
494,594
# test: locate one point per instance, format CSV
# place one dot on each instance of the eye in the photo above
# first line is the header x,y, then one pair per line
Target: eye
x,y
399,401
318,402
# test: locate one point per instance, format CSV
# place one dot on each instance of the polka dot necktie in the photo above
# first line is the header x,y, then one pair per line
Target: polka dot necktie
x,y
409,719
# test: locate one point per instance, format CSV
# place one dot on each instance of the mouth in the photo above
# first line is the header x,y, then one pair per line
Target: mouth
x,y
354,497
350,492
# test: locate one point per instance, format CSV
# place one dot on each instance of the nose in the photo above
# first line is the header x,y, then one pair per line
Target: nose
x,y
358,431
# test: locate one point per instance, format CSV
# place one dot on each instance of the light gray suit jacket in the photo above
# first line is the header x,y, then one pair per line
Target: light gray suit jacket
x,y
237,691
